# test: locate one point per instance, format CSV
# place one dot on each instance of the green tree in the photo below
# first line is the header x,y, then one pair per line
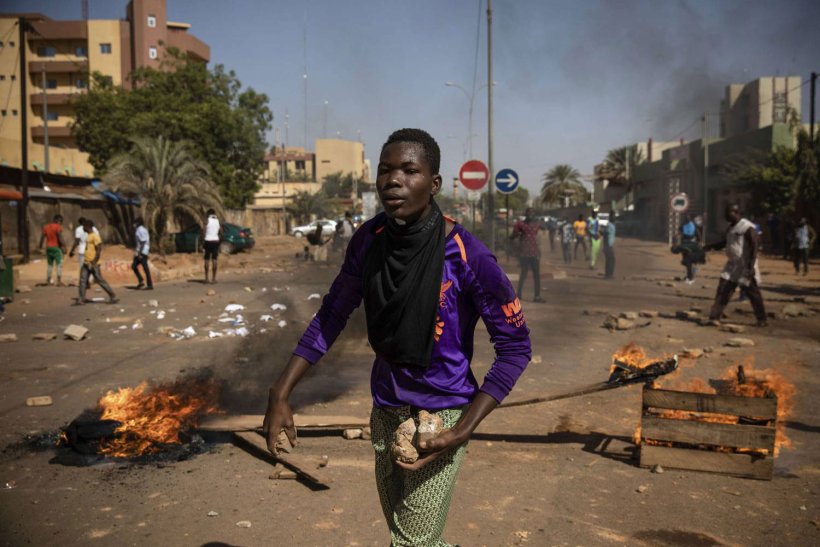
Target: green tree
x,y
770,178
807,190
305,204
560,182
620,163
181,101
170,182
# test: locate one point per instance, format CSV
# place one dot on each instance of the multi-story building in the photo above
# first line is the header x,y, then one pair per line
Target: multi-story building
x,y
759,103
60,56
341,156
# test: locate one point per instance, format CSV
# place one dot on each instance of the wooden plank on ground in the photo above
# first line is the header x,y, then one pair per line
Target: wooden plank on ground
x,y
741,465
692,432
303,466
252,422
758,407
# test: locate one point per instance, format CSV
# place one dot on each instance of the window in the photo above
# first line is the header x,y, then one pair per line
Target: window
x,y
105,49
46,51
152,21
51,84
80,83
13,77
81,51
52,116
2,77
13,112
300,165
11,43
3,112
152,52
1,44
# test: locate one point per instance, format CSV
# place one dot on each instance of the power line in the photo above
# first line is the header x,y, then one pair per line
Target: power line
x,y
477,38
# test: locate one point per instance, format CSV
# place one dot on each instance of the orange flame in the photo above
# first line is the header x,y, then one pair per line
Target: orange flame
x,y
757,383
153,416
633,355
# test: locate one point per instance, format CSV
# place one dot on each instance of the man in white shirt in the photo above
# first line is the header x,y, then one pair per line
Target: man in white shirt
x,y
143,246
80,239
213,234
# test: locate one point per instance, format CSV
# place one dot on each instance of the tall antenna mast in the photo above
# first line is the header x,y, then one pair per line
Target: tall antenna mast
x,y
305,77
85,10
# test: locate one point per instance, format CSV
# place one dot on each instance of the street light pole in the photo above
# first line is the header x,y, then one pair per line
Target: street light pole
x,y
491,182
324,127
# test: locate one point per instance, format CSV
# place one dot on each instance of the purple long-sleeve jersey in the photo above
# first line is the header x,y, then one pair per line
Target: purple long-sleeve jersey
x,y
472,286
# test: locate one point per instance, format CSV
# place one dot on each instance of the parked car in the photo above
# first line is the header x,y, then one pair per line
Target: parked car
x,y
234,239
603,219
328,228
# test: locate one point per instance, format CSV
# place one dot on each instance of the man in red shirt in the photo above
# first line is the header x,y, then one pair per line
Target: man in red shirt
x,y
529,254
55,248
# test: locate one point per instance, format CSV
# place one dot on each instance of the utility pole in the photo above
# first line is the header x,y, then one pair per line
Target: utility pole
x,y
45,119
705,143
22,213
305,78
491,182
324,125
811,107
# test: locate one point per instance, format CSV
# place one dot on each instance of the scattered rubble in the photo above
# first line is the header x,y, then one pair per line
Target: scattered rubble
x,y
641,489
210,292
629,315
350,434
430,425
265,318
231,308
687,315
42,400
23,289
75,332
153,304
244,524
740,342
4,338
729,327
282,324
213,514
44,336
796,310
314,296
596,311
692,353
277,307
648,313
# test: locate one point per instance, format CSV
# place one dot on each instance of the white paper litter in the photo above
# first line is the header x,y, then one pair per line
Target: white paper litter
x,y
278,306
160,314
282,324
188,332
212,334
242,331
137,325
225,319
266,318
230,308
314,296
122,327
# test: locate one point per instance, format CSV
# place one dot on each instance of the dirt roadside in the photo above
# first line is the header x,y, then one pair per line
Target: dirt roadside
x,y
562,473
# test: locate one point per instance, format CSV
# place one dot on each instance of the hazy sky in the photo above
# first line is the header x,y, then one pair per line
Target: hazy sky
x,y
574,78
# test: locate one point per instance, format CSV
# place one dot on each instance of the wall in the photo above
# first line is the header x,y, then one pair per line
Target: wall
x,y
263,222
270,194
334,155
110,64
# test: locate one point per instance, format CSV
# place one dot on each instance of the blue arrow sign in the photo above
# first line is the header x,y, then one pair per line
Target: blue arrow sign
x,y
506,181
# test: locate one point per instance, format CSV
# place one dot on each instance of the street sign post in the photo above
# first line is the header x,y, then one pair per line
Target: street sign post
x,y
679,202
474,175
506,181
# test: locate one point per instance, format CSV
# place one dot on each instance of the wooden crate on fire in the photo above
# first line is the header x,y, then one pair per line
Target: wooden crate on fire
x,y
724,434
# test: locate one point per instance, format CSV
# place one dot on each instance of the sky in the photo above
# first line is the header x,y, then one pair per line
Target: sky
x,y
574,78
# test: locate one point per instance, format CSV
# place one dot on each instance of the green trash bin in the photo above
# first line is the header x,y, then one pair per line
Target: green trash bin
x,y
6,278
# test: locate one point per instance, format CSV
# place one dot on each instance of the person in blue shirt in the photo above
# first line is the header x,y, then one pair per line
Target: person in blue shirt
x,y
608,235
689,248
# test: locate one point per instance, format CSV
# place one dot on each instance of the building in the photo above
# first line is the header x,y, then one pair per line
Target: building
x,y
60,56
341,156
759,103
297,170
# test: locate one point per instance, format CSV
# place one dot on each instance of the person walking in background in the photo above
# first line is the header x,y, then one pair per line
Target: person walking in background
x,y
80,238
690,249
742,247
580,228
55,248
143,239
608,237
594,232
344,232
773,224
552,226
567,236
529,254
213,235
91,264
804,238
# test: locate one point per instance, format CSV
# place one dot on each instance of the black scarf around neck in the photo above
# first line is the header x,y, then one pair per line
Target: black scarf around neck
x,y
402,281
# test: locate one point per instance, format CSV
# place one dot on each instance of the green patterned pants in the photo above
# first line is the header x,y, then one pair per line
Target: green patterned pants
x,y
415,503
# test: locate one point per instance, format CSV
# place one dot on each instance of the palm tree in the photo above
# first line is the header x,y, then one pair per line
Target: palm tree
x,y
560,182
619,165
171,184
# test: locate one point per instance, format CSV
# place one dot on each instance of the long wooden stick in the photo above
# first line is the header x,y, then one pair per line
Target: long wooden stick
x,y
592,388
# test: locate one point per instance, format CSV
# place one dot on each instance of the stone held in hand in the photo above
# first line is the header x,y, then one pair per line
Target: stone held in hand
x,y
353,433
430,426
402,448
283,443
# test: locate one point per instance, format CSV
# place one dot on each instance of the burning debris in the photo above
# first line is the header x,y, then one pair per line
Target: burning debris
x,y
143,421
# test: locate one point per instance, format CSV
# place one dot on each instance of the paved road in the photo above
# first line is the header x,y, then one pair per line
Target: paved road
x,y
553,474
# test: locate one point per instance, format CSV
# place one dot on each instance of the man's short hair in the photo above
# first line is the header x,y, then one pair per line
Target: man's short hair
x,y
210,212
58,218
432,153
81,221
139,221
88,222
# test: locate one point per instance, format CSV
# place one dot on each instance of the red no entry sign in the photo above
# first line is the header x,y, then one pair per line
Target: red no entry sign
x,y
474,175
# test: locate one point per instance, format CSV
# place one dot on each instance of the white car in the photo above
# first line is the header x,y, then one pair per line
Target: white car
x,y
328,228
603,219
